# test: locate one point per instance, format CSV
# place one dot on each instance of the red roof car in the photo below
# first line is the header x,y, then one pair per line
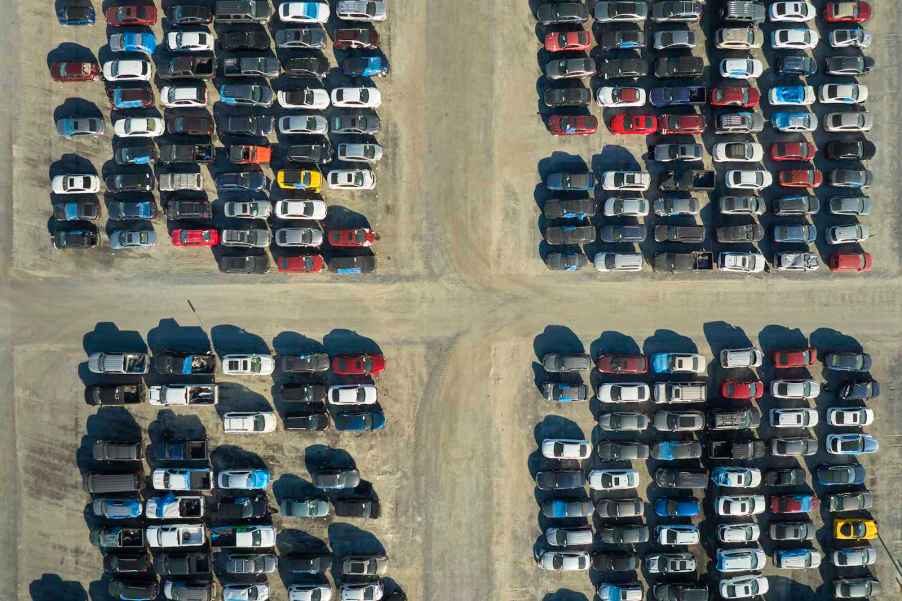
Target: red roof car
x,y
359,237
206,237
681,124
851,262
744,391
847,11
794,504
621,364
558,41
76,71
358,365
567,125
792,151
357,37
301,264
131,14
800,178
797,358
642,125
735,96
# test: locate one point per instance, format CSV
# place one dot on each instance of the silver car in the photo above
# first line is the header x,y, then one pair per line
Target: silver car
x,y
797,261
851,121
666,206
304,508
248,209
73,127
742,205
359,153
121,239
250,564
850,205
674,38
559,363
303,124
850,557
624,421
299,236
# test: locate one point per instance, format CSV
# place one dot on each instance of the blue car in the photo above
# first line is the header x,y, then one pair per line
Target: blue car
x,y
365,421
789,121
133,41
667,507
796,64
840,475
792,95
75,13
365,66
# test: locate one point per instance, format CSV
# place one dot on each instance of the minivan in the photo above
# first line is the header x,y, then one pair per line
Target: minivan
x,y
681,392
243,11
110,483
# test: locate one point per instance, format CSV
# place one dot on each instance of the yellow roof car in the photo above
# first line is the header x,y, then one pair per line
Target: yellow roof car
x,y
299,179
854,529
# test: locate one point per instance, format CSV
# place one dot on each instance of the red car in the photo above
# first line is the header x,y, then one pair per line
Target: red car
x,y
358,365
681,124
847,11
561,41
860,262
356,38
621,364
360,237
743,391
131,14
735,96
797,358
567,125
641,125
794,504
78,71
302,264
792,151
129,97
800,178
195,238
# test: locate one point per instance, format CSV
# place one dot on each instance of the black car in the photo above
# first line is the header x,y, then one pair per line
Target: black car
x,y
854,150
190,14
731,234
244,264
182,66
247,125
566,261
614,562
313,65
77,238
189,209
622,39
131,182
679,591
623,68
319,151
134,590
249,39
138,209
560,480
250,66
356,507
572,96
116,564
307,420
355,264
796,64
859,390
849,65
304,393
576,208
251,180
679,66
194,123
303,37
784,477
129,154
677,478
313,563
249,507
194,563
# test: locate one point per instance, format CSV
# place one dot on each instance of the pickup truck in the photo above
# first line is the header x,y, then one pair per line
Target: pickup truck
x,y
172,507
118,538
118,363
738,449
189,209
186,66
182,450
171,363
183,394
685,234
188,564
693,261
186,153
686,181
192,478
679,96
121,394
175,535
241,508
243,536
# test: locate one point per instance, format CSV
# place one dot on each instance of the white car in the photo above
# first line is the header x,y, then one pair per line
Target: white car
x,y
248,365
780,96
612,479
748,179
183,96
362,97
741,357
635,206
175,535
189,41
747,559
564,448
249,422
624,392
303,124
361,10
793,12
746,532
309,592
139,127
301,209
794,418
741,262
609,261
618,97
75,184
743,587
352,394
636,181
740,505
245,592
310,98
304,12
855,37
850,416
741,68
736,477
843,93
293,237
795,389
359,152
127,70
739,38
794,39
351,179
737,152
677,534
372,591
564,561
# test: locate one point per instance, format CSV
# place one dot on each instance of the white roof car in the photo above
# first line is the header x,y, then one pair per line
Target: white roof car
x,y
677,534
352,179
797,261
843,93
741,68
309,592
564,561
741,357
738,533
608,261
183,96
303,124
742,587
850,416
352,394
362,97
248,364
793,418
739,38
850,38
138,127
780,96
740,505
844,234
312,98
748,179
75,184
741,262
127,70
361,10
799,38
299,236
638,181
564,448
249,422
372,591
245,592
795,389
737,152
301,209
624,392
793,12
612,479
740,560
359,153
304,12
189,41
634,206
612,96
175,535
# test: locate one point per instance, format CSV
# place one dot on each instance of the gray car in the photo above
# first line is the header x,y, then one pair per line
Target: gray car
x,y
678,10
799,233
793,531
560,363
621,451
122,239
674,38
850,501
553,13
364,565
606,12
306,37
622,233
624,535
666,206
246,94
850,178
245,238
570,68
847,361
570,234
732,234
686,234
620,508
793,447
566,261
624,421
73,127
670,563
679,421
742,205
571,96
571,182
850,205
250,564
853,557
336,478
856,588
241,181
355,123
797,204
304,508
678,152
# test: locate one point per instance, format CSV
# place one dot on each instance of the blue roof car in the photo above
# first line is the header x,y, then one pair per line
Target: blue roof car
x,y
790,121
666,507
359,422
258,479
365,66
797,95
134,41
660,363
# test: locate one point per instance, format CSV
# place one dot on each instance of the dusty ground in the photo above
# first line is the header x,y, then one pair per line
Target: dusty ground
x,y
457,305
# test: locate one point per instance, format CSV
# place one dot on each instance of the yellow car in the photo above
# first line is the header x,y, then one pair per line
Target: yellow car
x,y
854,529
299,179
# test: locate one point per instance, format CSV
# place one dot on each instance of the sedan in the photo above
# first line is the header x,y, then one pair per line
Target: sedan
x,y
851,444
740,506
362,97
189,41
238,479
552,13
741,96
677,152
795,39
625,421
846,234
741,68
795,234
254,95
625,207
792,151
742,587
612,479
641,125
75,127
560,480
567,41
637,181
607,12
127,70
607,261
75,184
358,365
619,97
670,563
304,12
351,179
562,448
851,178
248,365
852,122
564,560
622,451
793,418
139,127
851,149
611,363
859,390
336,478
570,68
575,125
563,363
794,122
850,416
845,93
352,394
739,152
743,390
679,421
75,71
854,557
300,209
571,182
847,11
792,96
840,475
742,205
361,10
854,529
736,477
792,531
849,65
748,179
194,237
793,447
793,12
847,361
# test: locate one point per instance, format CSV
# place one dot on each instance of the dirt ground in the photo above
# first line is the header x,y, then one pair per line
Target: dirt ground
x,y
461,305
